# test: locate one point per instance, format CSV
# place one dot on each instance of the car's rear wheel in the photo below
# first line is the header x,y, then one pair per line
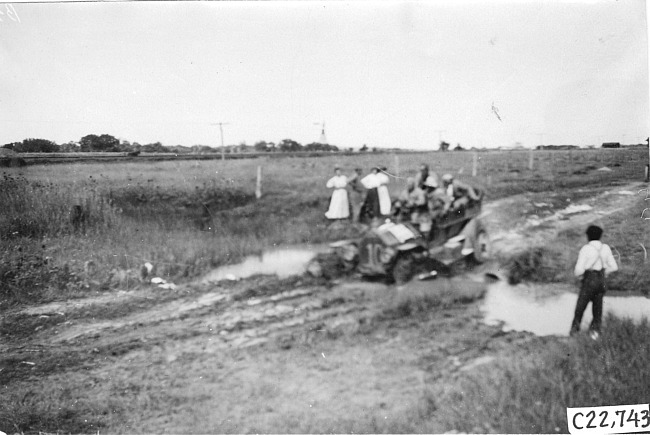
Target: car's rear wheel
x,y
404,269
481,247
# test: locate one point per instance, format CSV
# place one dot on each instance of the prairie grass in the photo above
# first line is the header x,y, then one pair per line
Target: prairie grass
x,y
530,394
187,217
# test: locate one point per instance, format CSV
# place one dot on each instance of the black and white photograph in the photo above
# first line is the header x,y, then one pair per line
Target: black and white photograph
x,y
324,217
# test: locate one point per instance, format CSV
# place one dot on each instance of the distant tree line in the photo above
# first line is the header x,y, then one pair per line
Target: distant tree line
x,y
108,143
290,145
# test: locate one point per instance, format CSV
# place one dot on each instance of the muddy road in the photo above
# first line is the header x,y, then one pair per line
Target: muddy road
x,y
297,354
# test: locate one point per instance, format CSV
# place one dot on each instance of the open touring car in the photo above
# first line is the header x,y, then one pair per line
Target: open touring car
x,y
398,250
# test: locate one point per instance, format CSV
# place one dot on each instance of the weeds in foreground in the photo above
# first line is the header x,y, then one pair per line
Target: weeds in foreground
x,y
530,394
58,410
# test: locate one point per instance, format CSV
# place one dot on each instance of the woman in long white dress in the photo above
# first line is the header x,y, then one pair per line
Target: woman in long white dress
x,y
382,192
339,205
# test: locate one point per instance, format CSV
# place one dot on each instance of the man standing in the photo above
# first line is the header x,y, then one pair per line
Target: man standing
x,y
595,262
356,195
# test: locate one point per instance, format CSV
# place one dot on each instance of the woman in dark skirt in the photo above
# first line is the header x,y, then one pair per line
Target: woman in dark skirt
x,y
370,208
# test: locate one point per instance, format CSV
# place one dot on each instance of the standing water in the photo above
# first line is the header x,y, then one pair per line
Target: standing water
x,y
282,262
548,310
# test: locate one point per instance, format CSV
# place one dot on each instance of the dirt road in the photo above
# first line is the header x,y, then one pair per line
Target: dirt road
x,y
267,355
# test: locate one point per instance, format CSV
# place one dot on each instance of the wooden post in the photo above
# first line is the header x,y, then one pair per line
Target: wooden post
x,y
530,160
396,165
475,164
552,161
258,185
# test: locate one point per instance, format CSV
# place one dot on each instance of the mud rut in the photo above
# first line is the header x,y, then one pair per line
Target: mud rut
x,y
217,317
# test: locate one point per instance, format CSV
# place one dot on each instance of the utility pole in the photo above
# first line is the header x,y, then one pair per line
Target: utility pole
x,y
440,132
223,149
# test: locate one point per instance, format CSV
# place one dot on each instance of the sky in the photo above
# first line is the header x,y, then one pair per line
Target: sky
x,y
386,74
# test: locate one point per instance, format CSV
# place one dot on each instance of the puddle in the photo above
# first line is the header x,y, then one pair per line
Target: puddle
x,y
283,262
548,310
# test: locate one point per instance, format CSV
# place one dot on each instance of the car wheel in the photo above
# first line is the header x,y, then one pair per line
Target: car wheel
x,y
404,269
481,247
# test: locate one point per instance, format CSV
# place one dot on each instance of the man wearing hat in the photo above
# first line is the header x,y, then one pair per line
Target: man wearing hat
x,y
412,202
458,192
595,262
437,204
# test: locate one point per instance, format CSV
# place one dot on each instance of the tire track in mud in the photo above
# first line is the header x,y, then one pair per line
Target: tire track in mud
x,y
228,322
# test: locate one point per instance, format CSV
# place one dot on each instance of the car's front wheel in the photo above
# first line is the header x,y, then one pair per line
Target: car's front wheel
x,y
481,247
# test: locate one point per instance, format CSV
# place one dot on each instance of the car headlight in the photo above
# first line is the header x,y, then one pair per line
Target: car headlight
x,y
350,252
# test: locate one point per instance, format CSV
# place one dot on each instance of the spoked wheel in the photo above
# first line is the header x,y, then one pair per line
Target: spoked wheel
x,y
481,247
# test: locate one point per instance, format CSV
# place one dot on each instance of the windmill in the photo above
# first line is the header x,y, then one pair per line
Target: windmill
x,y
323,138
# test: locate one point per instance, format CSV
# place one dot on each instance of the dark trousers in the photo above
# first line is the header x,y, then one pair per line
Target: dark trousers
x,y
592,290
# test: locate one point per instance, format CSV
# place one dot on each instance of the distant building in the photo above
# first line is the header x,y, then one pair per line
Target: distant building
x,y
557,147
611,144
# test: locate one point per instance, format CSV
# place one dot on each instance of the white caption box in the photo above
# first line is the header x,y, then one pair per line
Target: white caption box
x,y
609,419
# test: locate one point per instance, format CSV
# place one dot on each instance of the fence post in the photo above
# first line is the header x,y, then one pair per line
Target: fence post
x,y
258,185
530,160
396,165
475,164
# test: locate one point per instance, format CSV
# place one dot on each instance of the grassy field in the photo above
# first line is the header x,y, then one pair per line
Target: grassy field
x,y
530,394
187,217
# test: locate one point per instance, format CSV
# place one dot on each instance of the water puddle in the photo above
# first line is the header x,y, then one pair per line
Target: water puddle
x,y
548,310
283,262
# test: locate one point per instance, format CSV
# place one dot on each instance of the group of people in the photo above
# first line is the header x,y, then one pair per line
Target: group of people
x,y
423,200
359,195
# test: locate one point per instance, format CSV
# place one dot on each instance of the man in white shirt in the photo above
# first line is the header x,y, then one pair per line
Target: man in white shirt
x,y
595,262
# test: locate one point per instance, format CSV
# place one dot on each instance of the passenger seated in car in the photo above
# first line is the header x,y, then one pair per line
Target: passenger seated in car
x,y
458,192
437,205
412,201
437,202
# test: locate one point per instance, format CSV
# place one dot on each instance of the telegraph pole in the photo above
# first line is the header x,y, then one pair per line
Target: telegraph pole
x,y
223,149
440,132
